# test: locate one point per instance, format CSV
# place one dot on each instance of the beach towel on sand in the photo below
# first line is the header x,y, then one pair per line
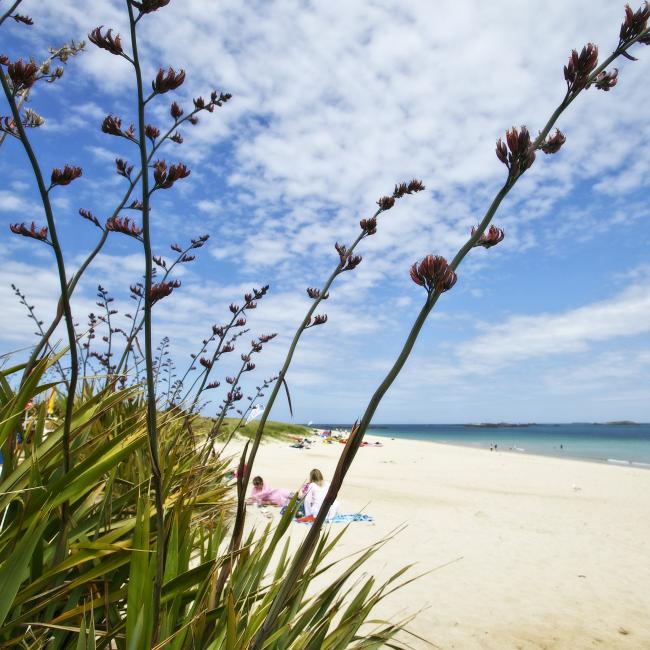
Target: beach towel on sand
x,y
340,519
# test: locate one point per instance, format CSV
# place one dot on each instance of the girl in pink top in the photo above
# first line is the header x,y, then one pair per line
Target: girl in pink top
x,y
266,496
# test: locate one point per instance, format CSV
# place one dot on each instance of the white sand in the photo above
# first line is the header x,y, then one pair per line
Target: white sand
x,y
544,565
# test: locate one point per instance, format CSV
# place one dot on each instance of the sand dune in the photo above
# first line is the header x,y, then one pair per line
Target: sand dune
x,y
540,552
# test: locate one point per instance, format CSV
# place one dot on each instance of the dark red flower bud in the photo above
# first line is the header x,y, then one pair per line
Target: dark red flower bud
x,y
8,125
407,188
123,168
502,152
199,103
193,120
112,125
606,80
162,290
177,248
177,138
352,262
148,6
245,357
166,178
107,41
152,132
218,331
490,238
124,225
206,363
319,319
341,250
159,261
386,203
199,241
553,144
22,75
233,307
433,273
240,322
166,81
369,226
229,347
231,380
522,153
175,111
248,367
635,23
265,338
87,214
579,67
19,18
187,258
234,396
65,176
315,294
214,384
32,231
136,205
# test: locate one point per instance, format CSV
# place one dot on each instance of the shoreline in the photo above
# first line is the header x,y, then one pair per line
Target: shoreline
x,y
552,554
610,462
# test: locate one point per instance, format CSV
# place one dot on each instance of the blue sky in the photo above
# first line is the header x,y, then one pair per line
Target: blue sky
x,y
333,103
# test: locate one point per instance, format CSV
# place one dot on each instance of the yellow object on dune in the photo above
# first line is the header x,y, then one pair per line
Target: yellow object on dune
x,y
50,402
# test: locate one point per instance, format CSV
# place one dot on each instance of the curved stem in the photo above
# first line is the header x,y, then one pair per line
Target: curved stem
x,y
11,9
358,431
65,297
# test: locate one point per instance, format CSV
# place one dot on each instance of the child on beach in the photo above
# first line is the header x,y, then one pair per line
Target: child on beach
x,y
262,495
314,493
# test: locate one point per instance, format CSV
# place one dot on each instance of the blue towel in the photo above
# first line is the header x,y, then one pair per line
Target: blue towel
x,y
346,519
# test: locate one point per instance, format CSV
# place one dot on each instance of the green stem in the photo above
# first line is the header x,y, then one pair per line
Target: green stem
x,y
65,297
151,395
11,9
356,436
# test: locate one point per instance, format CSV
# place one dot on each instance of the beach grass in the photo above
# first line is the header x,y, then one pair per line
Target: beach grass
x,y
272,430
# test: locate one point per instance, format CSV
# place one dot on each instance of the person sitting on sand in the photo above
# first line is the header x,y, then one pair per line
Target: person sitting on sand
x,y
315,492
262,495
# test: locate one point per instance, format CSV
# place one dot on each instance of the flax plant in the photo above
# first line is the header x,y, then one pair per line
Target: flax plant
x,y
87,558
20,76
437,276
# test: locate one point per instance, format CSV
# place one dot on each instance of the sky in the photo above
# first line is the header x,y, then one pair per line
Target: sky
x,y
333,103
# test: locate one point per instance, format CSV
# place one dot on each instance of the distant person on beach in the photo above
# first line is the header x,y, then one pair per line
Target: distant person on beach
x,y
262,495
315,492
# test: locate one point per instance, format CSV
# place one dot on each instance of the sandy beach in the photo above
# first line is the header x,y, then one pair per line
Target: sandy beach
x,y
538,552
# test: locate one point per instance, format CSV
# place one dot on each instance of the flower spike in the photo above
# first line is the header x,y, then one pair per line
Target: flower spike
x,y
107,41
490,238
434,274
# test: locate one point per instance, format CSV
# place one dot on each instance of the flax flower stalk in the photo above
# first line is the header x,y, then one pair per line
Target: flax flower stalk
x,y
65,297
301,558
247,460
36,352
151,395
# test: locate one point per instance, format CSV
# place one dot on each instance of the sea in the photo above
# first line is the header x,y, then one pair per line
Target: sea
x,y
625,444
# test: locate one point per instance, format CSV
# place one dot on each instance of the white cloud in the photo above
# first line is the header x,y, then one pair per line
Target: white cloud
x,y
333,103
524,337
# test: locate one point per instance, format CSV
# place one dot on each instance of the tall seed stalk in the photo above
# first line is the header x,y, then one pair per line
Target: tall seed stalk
x,y
444,278
44,191
148,341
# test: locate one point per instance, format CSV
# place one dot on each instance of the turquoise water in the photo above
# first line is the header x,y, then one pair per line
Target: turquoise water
x,y
627,444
